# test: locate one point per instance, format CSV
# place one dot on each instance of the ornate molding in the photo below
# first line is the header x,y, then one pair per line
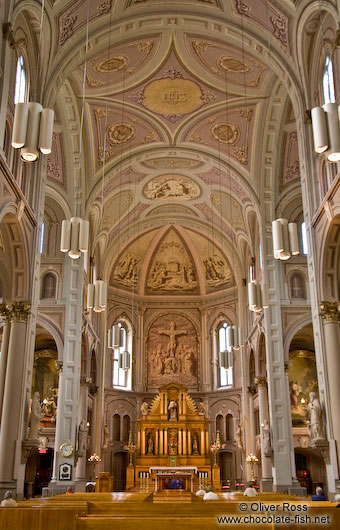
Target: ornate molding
x,y
59,366
252,390
261,381
85,381
17,311
330,311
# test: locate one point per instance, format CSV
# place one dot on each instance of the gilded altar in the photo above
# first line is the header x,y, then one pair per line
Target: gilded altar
x,y
172,432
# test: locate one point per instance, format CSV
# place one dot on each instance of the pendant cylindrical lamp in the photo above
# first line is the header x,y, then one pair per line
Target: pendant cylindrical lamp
x,y
74,236
29,152
319,125
46,131
332,115
285,253
293,239
114,337
20,125
230,337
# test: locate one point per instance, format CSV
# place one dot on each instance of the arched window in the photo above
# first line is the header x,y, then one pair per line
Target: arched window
x,y
297,286
226,372
122,358
328,81
219,425
49,286
126,427
116,428
229,428
20,82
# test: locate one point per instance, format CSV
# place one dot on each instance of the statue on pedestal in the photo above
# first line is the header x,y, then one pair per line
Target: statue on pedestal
x,y
35,416
238,436
82,434
144,408
315,418
172,408
106,438
267,447
195,450
150,445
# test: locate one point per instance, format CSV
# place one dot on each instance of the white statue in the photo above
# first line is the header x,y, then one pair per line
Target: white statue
x,y
238,436
106,439
82,434
315,417
202,408
267,448
35,416
144,408
172,408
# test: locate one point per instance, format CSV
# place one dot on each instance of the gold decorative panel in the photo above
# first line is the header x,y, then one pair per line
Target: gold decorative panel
x,y
172,351
169,187
172,268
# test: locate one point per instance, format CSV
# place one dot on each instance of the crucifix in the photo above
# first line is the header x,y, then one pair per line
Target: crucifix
x,y
171,347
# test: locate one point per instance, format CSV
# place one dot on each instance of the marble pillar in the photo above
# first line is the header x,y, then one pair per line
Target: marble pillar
x,y
266,463
4,351
82,416
330,313
13,399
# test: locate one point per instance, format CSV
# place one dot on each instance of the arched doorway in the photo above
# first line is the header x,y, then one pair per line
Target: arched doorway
x,y
227,466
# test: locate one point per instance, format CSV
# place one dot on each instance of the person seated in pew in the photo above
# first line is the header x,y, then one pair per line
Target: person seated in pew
x,y
210,495
337,499
69,490
200,492
319,496
250,491
8,501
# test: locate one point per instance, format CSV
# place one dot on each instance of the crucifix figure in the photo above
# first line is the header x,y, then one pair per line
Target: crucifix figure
x,y
171,347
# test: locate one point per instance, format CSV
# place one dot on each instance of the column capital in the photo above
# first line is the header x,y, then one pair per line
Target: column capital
x,y
330,311
18,311
252,390
261,381
85,381
4,313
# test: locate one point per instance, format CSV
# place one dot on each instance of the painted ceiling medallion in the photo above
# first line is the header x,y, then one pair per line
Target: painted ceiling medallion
x,y
113,64
227,133
233,65
120,133
167,187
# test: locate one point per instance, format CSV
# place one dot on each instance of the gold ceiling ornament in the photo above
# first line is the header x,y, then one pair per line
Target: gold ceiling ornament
x,y
115,63
227,63
120,133
226,133
171,163
233,65
170,187
330,311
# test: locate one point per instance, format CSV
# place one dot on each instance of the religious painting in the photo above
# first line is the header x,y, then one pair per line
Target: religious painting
x,y
45,385
172,351
302,381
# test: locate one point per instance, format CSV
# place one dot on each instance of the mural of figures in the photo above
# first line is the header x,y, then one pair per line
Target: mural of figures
x,y
172,351
302,381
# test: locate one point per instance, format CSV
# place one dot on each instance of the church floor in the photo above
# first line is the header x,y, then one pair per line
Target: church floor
x,y
180,510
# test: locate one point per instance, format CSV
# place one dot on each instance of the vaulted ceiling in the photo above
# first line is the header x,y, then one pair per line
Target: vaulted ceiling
x,y
178,104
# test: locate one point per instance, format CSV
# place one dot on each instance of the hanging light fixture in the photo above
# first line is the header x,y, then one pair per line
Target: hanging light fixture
x,y
97,296
326,130
74,236
285,239
115,339
256,297
33,125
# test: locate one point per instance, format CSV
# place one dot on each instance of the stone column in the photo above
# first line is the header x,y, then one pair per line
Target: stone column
x,y
82,415
266,463
204,352
13,399
251,393
69,387
330,313
4,352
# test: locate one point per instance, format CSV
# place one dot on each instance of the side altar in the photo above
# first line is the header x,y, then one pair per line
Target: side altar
x,y
173,440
